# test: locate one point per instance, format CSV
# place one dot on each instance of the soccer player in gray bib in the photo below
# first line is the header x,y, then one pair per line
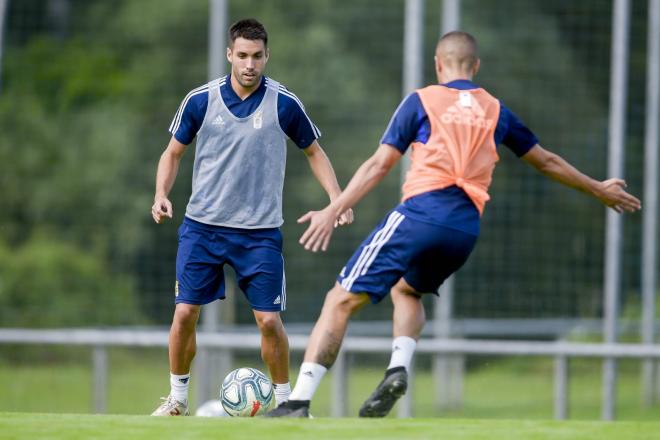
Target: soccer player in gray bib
x,y
233,217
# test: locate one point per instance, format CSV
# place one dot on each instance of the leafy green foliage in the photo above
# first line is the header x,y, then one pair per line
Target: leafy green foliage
x,y
46,283
85,106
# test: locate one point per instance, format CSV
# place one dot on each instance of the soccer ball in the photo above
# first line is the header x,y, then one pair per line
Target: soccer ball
x,y
246,392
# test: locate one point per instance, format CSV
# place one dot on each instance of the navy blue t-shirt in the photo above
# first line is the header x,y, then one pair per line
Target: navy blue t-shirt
x,y
450,207
291,113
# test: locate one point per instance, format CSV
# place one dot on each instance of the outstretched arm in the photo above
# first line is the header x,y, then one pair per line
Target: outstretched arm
x,y
168,167
371,172
610,192
322,169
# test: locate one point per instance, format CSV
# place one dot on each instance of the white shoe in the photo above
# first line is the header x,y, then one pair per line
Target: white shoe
x,y
171,407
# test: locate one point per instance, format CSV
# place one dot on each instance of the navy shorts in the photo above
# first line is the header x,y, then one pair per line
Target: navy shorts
x,y
255,255
422,253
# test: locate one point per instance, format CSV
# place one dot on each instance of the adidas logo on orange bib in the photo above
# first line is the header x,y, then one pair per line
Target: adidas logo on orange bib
x,y
466,111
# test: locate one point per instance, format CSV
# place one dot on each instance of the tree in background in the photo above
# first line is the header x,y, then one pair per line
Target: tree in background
x,y
87,99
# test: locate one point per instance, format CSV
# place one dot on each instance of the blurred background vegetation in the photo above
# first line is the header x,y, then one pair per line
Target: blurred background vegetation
x,y
89,87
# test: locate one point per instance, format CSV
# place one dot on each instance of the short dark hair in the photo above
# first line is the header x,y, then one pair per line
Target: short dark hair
x,y
250,29
459,48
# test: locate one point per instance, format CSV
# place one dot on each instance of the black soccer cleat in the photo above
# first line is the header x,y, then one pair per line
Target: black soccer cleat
x,y
291,408
388,391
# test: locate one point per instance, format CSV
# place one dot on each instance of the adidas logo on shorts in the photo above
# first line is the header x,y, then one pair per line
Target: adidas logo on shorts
x,y
278,300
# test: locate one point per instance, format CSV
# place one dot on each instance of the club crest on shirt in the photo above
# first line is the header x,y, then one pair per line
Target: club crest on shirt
x,y
257,120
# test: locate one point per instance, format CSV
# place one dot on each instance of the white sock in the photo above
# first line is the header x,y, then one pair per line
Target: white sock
x,y
282,391
308,380
403,349
179,384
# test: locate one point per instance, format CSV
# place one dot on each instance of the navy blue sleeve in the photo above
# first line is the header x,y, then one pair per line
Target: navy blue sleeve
x,y
407,124
513,133
294,121
190,116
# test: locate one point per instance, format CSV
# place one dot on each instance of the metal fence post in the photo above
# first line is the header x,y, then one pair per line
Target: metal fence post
x,y
201,376
211,364
561,387
100,378
3,12
218,20
448,384
458,377
442,363
339,385
405,405
650,219
413,62
617,125
412,58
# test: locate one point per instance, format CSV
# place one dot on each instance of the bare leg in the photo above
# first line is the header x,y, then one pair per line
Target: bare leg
x,y
322,349
329,330
182,347
274,345
182,344
409,317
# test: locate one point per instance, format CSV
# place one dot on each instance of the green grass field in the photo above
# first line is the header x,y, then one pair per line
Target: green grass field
x,y
73,427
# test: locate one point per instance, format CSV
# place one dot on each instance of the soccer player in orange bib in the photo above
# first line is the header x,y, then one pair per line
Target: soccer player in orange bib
x,y
453,128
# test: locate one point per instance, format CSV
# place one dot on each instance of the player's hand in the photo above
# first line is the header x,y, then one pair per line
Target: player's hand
x,y
345,219
612,194
318,233
161,210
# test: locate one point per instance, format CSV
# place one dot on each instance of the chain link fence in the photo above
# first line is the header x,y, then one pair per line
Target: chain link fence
x,y
89,88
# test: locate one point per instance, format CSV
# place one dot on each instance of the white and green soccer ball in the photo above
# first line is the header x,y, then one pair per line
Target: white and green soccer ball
x,y
246,392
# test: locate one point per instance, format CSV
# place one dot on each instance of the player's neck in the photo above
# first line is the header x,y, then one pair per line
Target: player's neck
x,y
242,91
446,76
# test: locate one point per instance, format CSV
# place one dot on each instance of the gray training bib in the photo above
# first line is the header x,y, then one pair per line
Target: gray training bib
x,y
238,174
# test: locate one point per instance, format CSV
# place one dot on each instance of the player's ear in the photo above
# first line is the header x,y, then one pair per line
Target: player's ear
x,y
438,64
477,65
267,54
229,54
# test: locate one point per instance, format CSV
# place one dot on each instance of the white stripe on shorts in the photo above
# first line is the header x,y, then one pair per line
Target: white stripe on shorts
x,y
370,251
367,250
382,243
